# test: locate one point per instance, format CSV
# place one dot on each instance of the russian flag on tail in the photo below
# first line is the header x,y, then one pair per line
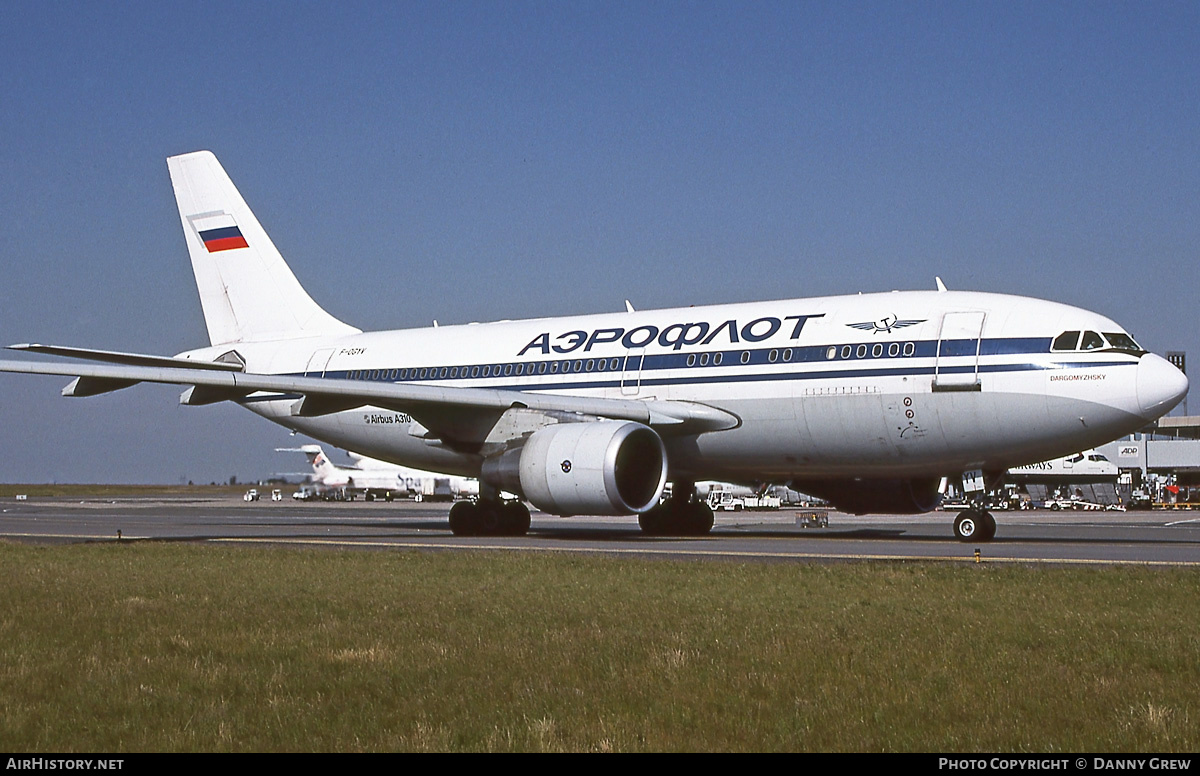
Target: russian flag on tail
x,y
218,232
223,239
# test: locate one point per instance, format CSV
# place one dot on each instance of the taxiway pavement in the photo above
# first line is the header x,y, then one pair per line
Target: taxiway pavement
x,y
1034,536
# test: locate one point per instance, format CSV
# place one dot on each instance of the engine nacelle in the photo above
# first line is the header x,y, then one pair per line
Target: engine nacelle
x,y
597,468
863,497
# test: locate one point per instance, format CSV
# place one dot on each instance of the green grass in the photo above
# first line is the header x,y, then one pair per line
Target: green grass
x,y
85,491
139,647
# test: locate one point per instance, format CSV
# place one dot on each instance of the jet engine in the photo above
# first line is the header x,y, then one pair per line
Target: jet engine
x,y
592,468
862,497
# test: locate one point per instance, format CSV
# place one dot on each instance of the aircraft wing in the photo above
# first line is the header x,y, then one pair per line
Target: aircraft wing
x,y
461,417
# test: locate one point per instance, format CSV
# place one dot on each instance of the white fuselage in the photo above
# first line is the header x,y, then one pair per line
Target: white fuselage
x,y
900,384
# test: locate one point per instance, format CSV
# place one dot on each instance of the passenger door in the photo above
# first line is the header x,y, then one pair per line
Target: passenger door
x,y
957,364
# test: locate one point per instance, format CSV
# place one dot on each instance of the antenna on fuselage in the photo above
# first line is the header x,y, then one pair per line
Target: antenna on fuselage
x,y
940,285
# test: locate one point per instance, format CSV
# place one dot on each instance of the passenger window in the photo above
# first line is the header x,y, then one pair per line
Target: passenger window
x,y
1068,340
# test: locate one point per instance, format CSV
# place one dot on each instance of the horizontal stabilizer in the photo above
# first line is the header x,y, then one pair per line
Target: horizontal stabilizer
x,y
131,359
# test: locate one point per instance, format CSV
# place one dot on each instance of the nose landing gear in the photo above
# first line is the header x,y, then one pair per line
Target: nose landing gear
x,y
975,524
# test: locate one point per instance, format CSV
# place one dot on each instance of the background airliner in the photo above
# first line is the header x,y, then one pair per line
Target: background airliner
x,y
379,479
868,401
1086,466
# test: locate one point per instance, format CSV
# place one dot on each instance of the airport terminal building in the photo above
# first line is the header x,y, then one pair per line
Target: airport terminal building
x,y
1163,462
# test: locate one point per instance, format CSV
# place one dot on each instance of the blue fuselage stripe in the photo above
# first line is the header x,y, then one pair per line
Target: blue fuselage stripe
x,y
890,359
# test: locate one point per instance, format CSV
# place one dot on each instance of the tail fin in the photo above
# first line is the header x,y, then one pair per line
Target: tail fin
x,y
247,291
322,466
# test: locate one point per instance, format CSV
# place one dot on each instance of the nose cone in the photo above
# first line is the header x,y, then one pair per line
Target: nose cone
x,y
1160,386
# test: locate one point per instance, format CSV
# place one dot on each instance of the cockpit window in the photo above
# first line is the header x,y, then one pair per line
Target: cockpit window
x,y
1091,341
1068,340
1123,343
1118,342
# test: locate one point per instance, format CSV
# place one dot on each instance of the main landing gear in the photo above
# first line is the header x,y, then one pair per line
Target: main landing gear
x,y
677,517
975,524
489,517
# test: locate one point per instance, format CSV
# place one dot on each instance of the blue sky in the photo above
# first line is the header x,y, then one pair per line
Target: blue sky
x,y
472,161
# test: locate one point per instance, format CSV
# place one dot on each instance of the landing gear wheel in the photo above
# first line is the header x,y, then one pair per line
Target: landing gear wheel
x,y
489,518
653,522
464,519
975,525
677,518
987,527
698,519
965,526
514,519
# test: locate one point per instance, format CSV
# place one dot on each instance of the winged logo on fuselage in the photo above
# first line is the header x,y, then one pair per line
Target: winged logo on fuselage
x,y
885,324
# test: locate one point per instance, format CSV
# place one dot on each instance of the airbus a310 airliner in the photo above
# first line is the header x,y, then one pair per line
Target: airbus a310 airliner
x,y
869,401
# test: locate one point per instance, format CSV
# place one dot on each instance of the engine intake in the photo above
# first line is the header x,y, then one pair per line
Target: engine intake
x,y
596,468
